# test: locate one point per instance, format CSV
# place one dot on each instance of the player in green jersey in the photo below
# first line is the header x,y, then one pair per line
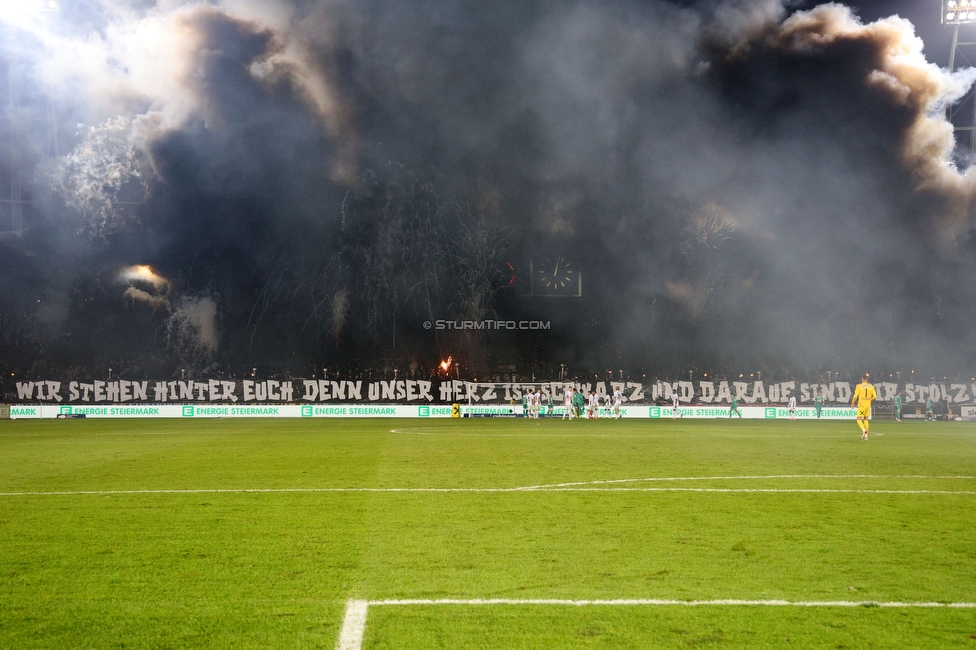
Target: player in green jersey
x,y
734,408
897,408
818,405
578,401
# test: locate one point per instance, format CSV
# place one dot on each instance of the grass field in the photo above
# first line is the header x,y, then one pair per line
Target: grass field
x,y
257,533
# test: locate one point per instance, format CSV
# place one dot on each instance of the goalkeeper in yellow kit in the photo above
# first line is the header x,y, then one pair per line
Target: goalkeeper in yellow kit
x,y
864,395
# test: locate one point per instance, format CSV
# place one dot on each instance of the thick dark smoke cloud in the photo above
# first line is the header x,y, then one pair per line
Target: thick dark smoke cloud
x,y
743,188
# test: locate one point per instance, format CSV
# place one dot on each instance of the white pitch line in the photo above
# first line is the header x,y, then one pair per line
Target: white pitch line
x,y
733,478
354,622
482,491
474,433
576,433
758,490
579,486
663,602
353,626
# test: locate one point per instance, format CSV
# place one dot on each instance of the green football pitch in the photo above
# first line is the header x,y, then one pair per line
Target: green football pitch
x,y
481,533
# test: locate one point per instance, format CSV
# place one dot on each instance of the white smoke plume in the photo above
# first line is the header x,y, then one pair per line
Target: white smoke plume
x,y
139,295
162,65
192,329
903,73
91,178
159,65
142,277
597,130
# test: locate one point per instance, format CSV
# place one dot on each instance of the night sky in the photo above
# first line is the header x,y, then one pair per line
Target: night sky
x,y
292,186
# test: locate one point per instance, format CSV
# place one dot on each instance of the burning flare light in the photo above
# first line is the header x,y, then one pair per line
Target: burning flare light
x,y
143,273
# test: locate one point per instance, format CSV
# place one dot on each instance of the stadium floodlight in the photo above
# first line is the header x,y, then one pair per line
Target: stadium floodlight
x,y
958,12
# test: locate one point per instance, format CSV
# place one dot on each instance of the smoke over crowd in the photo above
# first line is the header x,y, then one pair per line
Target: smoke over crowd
x,y
295,185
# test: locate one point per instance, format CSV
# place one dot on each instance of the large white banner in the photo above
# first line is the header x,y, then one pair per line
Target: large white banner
x,y
407,391
188,411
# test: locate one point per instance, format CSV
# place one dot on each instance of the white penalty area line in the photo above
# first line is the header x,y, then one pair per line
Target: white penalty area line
x,y
354,622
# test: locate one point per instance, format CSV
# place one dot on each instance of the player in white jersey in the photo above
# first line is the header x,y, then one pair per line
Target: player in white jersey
x,y
675,405
618,400
594,404
568,405
536,403
792,407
